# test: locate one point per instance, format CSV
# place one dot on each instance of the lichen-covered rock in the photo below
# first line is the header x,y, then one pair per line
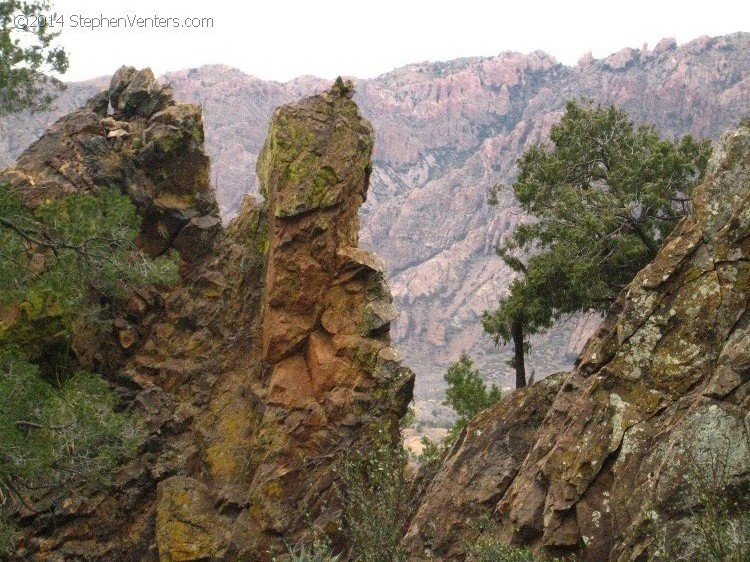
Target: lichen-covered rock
x,y
460,499
186,525
158,158
661,394
327,309
260,370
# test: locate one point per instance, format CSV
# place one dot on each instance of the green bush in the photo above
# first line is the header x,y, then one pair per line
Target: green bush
x,y
54,437
375,498
467,394
410,417
319,551
492,550
430,449
717,527
86,242
61,265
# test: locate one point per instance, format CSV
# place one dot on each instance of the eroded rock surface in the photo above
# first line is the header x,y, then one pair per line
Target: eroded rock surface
x,y
459,501
155,154
662,391
446,131
262,367
326,315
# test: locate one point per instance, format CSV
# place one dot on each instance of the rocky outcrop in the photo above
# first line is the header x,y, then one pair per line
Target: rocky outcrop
x,y
155,154
326,318
460,499
148,147
661,394
262,368
445,131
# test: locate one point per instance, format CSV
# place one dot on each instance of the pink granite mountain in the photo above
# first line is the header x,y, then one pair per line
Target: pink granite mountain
x,y
445,132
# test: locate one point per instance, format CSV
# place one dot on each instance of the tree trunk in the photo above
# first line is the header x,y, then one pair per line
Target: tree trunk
x,y
651,246
517,333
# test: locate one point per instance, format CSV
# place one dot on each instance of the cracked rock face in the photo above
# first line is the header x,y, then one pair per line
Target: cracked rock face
x,y
661,391
326,312
263,367
460,499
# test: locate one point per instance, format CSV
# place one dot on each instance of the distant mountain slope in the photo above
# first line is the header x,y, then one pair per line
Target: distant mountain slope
x,y
444,133
19,130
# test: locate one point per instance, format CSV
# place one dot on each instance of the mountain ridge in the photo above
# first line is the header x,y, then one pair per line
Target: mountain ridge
x,y
444,133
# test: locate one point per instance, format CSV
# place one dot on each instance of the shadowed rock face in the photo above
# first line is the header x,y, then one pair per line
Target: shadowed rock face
x,y
662,390
149,147
262,367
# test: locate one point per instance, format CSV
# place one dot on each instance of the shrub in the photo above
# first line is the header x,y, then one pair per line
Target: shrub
x,y
492,550
718,523
430,450
55,437
319,551
467,394
375,498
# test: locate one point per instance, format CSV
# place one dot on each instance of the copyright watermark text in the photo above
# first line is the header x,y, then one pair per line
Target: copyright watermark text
x,y
61,21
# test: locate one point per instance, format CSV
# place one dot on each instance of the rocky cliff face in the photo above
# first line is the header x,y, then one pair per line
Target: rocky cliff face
x,y
596,462
262,367
148,147
459,500
19,130
444,133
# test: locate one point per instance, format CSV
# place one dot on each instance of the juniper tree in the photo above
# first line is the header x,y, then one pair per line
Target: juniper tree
x,y
467,393
28,30
603,195
60,264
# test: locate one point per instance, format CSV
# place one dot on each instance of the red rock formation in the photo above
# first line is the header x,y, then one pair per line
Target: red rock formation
x,y
444,133
262,368
326,313
150,148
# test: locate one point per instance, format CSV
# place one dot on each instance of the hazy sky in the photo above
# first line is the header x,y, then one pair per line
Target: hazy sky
x,y
283,39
